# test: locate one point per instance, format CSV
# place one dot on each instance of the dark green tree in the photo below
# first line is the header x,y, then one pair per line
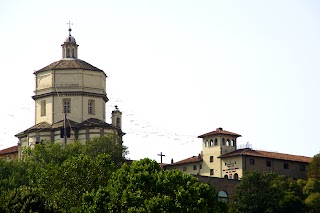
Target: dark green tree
x,y
144,187
314,167
25,199
267,192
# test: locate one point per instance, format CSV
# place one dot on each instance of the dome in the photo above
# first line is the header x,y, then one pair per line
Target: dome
x,y
70,39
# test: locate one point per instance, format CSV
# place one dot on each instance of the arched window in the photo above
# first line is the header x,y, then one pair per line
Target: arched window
x,y
228,142
68,53
232,142
223,196
118,122
211,142
236,176
216,142
223,142
206,143
226,177
72,53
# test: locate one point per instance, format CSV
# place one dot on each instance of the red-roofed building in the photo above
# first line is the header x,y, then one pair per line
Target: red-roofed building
x,y
221,158
9,154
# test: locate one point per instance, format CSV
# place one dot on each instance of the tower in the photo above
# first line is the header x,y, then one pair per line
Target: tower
x,y
214,144
73,89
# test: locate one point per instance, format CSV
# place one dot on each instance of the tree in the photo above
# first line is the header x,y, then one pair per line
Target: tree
x,y
144,187
65,185
314,167
313,202
25,199
267,192
110,145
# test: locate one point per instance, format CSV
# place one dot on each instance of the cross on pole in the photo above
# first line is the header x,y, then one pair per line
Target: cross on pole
x,y
69,23
161,155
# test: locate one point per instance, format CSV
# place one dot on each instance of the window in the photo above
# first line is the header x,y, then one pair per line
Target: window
x,y
236,176
200,166
225,176
184,168
232,142
228,142
211,142
206,143
268,163
302,168
251,161
286,165
223,142
72,53
223,196
194,167
43,108
216,142
91,107
68,53
211,159
211,171
66,105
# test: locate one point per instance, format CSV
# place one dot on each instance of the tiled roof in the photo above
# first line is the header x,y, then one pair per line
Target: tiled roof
x,y
192,159
69,64
9,150
219,131
265,154
91,122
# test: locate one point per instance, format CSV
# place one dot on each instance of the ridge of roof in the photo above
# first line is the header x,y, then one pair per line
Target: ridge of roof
x,y
9,150
219,131
69,64
192,159
266,154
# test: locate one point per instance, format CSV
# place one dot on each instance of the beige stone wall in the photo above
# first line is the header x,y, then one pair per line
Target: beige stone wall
x,y
232,166
189,168
210,149
63,81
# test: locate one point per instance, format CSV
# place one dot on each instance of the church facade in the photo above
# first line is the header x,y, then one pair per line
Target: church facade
x,y
220,158
70,99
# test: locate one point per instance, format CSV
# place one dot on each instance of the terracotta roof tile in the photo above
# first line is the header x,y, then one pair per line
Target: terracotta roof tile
x,y
265,154
69,64
192,159
9,150
219,131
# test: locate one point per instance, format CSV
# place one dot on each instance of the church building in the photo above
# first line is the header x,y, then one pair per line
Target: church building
x,y
220,158
70,100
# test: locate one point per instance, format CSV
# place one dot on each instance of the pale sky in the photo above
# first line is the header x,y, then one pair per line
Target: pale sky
x,y
176,69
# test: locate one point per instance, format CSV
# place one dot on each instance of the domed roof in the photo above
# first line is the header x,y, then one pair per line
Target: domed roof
x,y
70,39
66,64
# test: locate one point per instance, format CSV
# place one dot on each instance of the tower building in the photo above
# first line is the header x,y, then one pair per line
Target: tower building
x,y
70,94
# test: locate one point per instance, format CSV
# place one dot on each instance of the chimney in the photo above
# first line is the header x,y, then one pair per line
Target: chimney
x,y
171,160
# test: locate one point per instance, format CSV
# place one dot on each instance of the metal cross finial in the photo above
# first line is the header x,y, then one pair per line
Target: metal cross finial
x,y
161,155
69,23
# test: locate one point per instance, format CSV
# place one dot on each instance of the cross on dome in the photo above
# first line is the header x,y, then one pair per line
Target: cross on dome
x,y
69,23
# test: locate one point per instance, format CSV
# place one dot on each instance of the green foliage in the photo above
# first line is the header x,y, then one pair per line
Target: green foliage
x,y
106,145
25,199
312,186
314,167
144,187
313,202
267,192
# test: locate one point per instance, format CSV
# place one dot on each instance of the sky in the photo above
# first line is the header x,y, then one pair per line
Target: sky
x,y
176,69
